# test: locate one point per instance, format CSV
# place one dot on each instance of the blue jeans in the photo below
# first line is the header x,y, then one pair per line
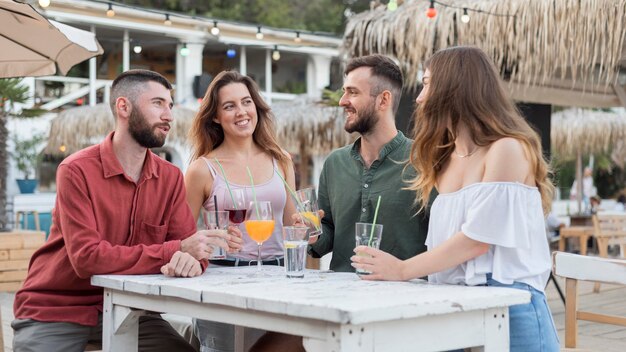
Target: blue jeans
x,y
531,327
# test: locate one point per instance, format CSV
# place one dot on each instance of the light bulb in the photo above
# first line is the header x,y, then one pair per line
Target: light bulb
x,y
465,17
297,39
44,3
184,51
275,54
215,30
167,21
431,12
230,53
62,148
110,12
137,49
259,34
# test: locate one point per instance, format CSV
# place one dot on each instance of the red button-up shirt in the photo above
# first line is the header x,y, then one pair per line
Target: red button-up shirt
x,y
103,223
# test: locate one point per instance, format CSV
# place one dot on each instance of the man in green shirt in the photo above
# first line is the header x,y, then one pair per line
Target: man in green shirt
x,y
354,176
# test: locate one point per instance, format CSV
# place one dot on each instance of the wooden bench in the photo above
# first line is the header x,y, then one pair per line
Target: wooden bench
x,y
16,248
575,267
609,230
583,233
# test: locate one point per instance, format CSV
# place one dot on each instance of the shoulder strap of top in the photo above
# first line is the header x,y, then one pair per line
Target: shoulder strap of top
x,y
211,168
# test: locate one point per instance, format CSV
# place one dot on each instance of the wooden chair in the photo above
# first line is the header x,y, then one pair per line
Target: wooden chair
x,y
575,267
582,233
609,230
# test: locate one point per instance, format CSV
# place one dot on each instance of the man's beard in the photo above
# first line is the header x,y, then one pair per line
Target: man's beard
x,y
364,123
142,132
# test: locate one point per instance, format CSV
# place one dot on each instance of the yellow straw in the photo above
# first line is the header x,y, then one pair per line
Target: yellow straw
x,y
227,184
256,205
369,243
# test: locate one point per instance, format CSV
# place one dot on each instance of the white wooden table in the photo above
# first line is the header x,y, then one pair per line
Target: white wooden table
x,y
332,311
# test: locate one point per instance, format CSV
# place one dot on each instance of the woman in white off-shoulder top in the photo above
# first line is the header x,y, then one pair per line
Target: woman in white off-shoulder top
x,y
487,224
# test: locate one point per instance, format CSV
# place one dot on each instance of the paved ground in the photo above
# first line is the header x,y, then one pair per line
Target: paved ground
x,y
592,337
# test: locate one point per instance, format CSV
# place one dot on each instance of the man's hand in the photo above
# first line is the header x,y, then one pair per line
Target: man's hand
x,y
182,265
298,220
200,245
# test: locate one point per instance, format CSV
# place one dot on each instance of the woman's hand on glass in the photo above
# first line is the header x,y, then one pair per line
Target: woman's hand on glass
x,y
235,242
381,265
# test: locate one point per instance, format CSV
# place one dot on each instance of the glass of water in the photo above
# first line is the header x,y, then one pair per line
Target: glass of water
x,y
216,220
295,240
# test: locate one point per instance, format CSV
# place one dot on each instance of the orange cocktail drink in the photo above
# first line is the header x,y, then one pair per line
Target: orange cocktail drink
x,y
259,230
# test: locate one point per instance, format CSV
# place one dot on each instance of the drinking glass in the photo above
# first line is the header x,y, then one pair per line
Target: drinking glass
x,y
308,210
370,235
235,203
295,241
259,225
215,220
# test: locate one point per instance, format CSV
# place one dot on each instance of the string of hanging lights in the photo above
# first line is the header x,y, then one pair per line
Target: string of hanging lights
x,y
431,12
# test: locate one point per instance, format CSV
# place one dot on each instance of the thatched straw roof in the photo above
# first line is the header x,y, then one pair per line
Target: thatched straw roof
x,y
79,127
302,122
309,124
582,131
565,52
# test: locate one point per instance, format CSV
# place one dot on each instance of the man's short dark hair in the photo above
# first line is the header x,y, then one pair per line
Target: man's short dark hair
x,y
126,84
387,75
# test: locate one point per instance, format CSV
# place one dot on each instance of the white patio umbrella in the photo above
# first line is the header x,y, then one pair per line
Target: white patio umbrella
x,y
31,45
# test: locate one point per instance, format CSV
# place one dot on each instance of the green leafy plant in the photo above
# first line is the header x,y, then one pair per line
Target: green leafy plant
x,y
12,91
26,154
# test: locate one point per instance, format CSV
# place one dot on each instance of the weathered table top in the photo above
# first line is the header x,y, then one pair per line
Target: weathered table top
x,y
333,297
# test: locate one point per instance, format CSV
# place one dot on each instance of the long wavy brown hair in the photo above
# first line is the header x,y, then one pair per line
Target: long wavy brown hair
x,y
206,134
465,88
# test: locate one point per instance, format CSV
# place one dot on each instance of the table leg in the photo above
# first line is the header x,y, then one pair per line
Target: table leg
x,y
603,251
583,244
497,329
120,326
562,240
343,338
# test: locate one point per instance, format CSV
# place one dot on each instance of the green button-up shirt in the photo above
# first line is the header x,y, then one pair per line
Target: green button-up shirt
x,y
348,192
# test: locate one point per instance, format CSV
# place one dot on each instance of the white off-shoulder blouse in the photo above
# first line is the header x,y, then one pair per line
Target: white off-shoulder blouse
x,y
506,215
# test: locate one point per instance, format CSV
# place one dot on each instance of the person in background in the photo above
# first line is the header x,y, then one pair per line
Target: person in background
x,y
487,225
588,188
553,227
120,209
594,204
234,129
374,165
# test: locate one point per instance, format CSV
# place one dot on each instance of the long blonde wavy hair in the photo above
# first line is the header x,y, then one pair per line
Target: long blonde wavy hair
x,y
465,88
206,135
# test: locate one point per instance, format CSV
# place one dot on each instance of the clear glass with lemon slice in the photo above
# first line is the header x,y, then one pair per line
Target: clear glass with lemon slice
x,y
295,240
308,209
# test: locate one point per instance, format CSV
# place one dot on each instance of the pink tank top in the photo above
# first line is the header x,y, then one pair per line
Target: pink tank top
x,y
273,191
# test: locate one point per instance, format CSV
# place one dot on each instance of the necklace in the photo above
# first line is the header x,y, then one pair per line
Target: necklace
x,y
466,155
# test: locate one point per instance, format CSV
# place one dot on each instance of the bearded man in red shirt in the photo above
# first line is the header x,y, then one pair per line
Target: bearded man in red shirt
x,y
120,209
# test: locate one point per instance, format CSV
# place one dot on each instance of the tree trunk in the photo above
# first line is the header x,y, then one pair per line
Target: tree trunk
x,y
4,169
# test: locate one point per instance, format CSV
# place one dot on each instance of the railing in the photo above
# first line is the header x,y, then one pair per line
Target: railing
x,y
83,91
73,93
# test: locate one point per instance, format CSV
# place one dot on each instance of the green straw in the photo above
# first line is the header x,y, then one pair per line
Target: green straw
x,y
227,184
293,194
369,243
256,205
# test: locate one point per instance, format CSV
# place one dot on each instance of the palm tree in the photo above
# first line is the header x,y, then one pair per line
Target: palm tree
x,y
11,92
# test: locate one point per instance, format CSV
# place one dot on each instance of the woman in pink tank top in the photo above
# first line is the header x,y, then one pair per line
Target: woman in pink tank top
x,y
232,130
